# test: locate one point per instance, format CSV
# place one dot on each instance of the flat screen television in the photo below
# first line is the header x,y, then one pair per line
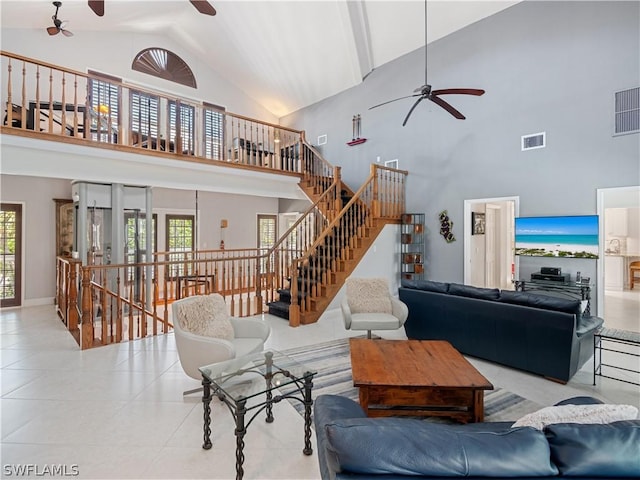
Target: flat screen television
x,y
561,236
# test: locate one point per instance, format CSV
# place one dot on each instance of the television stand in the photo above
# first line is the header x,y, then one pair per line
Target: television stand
x,y
572,290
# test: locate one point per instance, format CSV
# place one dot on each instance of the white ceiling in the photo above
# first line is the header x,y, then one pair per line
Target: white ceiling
x,y
284,54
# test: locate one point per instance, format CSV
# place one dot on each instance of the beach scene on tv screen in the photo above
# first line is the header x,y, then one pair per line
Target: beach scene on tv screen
x,y
572,237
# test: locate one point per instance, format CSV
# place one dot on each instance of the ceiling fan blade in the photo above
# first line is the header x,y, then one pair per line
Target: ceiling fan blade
x,y
419,89
52,30
459,91
66,33
203,7
97,6
447,107
394,100
406,119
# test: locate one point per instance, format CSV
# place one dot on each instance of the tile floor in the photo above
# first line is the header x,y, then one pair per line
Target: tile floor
x,y
118,411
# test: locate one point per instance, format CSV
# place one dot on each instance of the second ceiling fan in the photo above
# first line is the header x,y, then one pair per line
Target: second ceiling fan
x,y
426,92
203,6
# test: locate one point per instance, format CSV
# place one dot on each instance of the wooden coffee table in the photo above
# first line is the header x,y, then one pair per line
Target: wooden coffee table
x,y
416,378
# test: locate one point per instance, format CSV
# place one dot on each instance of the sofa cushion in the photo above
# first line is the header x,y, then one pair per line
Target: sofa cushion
x,y
474,292
426,285
597,413
206,315
401,446
368,295
541,301
608,451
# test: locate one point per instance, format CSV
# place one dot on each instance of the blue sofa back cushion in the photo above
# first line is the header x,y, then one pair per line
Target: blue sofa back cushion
x,y
427,285
598,450
541,301
402,446
474,292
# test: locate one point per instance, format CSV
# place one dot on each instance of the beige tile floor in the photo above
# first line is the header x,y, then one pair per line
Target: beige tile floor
x,y
118,411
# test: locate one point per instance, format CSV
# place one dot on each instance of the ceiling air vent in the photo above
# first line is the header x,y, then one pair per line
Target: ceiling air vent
x,y
627,111
534,140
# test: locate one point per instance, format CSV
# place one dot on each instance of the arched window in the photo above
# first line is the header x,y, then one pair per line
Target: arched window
x,y
162,63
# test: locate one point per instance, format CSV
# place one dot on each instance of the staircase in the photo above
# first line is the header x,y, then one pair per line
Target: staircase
x,y
314,269
347,224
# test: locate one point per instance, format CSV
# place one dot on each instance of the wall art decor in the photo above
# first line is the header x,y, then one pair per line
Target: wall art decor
x,y
446,227
477,223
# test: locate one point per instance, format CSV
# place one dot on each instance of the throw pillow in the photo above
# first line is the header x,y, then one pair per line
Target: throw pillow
x,y
206,315
426,285
599,413
474,292
368,295
545,302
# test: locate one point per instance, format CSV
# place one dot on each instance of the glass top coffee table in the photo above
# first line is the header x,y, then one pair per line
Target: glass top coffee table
x,y
248,385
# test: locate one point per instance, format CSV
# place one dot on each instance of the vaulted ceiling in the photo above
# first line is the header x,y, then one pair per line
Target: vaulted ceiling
x,y
284,54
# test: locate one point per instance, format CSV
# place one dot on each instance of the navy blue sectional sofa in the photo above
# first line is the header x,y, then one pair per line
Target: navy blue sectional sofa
x,y
536,333
352,446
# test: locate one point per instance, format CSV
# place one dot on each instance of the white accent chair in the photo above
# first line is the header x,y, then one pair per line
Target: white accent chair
x,y
368,305
206,334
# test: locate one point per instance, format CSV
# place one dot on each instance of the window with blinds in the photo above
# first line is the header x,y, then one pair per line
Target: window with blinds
x,y
180,240
213,132
181,123
144,115
104,104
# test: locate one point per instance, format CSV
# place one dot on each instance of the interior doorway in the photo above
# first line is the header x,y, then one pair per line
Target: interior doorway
x,y
489,259
619,213
10,255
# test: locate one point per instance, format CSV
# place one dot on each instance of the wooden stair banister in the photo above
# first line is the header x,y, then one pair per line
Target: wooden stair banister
x,y
321,271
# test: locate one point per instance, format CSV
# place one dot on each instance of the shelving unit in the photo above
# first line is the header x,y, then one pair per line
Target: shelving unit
x,y
412,246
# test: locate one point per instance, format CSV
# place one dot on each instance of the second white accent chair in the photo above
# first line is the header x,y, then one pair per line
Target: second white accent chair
x,y
368,305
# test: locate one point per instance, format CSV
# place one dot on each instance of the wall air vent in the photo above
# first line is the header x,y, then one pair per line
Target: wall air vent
x,y
627,111
322,139
534,140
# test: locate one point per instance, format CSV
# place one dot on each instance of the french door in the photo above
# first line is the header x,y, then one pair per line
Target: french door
x,y
10,254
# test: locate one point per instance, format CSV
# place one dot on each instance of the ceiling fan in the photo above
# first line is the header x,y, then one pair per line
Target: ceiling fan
x,y
58,25
426,92
203,6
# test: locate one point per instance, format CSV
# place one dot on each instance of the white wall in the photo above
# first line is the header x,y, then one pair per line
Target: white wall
x,y
39,231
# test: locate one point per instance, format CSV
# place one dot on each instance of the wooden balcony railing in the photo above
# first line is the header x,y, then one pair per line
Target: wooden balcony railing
x,y
48,101
104,304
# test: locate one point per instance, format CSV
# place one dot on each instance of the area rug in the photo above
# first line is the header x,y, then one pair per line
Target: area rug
x,y
332,362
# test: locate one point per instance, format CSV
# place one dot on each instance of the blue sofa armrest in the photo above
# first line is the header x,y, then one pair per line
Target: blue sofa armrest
x,y
588,325
328,409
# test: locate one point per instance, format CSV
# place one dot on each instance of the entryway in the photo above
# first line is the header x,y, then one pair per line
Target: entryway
x,y
489,259
619,212
10,255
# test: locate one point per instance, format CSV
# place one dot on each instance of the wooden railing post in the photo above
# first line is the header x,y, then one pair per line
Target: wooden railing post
x,y
72,295
375,201
86,339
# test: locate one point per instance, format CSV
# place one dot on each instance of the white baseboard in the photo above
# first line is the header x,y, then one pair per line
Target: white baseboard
x,y
36,302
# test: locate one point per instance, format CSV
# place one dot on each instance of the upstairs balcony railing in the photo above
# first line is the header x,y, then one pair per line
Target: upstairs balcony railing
x,y
57,103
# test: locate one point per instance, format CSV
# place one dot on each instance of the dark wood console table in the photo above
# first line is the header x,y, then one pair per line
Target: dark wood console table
x,y
573,290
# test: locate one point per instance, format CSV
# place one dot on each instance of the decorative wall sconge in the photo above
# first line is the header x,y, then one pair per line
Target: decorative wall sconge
x,y
223,224
356,127
446,227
